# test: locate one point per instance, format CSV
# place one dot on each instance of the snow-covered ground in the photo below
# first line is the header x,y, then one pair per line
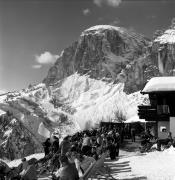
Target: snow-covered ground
x,y
151,166
133,165
16,162
155,165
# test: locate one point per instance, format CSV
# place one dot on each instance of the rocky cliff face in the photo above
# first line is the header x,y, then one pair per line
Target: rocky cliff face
x,y
162,52
105,52
16,140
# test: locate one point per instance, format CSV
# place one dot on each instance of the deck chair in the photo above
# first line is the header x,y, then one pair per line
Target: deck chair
x,y
88,173
101,169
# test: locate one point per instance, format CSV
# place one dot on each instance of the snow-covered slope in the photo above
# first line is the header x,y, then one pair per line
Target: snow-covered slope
x,y
72,104
95,100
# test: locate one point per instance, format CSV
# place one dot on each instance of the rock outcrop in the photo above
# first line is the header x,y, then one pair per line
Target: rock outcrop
x,y
16,140
110,53
162,52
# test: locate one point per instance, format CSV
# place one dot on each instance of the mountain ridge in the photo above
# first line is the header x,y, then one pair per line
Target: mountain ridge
x,y
102,52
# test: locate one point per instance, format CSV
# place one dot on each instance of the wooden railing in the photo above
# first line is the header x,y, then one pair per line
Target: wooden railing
x,y
153,113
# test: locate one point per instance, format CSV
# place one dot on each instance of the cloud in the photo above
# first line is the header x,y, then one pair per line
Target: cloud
x,y
112,3
86,12
131,28
36,66
98,2
100,18
46,58
116,22
151,16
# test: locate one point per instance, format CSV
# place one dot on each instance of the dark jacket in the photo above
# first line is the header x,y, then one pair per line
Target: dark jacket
x,y
69,172
64,147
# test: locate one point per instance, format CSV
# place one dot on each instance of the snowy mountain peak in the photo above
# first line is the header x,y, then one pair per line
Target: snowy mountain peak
x,y
98,28
103,52
167,38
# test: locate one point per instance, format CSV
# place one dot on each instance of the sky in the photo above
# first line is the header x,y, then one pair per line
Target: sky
x,y
34,32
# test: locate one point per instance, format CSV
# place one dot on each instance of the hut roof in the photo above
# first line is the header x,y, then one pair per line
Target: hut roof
x,y
160,84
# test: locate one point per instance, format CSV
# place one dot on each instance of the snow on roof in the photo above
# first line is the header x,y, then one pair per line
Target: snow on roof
x,y
167,37
158,84
134,119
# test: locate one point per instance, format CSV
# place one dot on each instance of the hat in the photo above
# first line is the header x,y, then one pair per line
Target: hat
x,y
23,159
110,132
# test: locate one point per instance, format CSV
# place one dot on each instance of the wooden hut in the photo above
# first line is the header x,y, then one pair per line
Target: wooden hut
x,y
161,91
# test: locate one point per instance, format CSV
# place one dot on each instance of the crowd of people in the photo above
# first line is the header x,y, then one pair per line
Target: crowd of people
x,y
150,142
70,158
80,149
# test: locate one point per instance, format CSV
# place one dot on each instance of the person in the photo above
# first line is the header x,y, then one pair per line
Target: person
x,y
169,138
86,145
46,146
112,148
23,166
117,139
67,171
30,173
94,153
99,140
65,146
133,134
4,170
104,142
122,135
54,162
26,171
148,134
55,144
73,158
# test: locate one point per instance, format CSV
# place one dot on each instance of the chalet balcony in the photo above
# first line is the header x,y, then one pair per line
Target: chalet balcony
x,y
146,112
163,109
151,113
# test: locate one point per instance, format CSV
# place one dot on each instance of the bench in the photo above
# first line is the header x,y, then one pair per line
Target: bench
x,y
98,168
